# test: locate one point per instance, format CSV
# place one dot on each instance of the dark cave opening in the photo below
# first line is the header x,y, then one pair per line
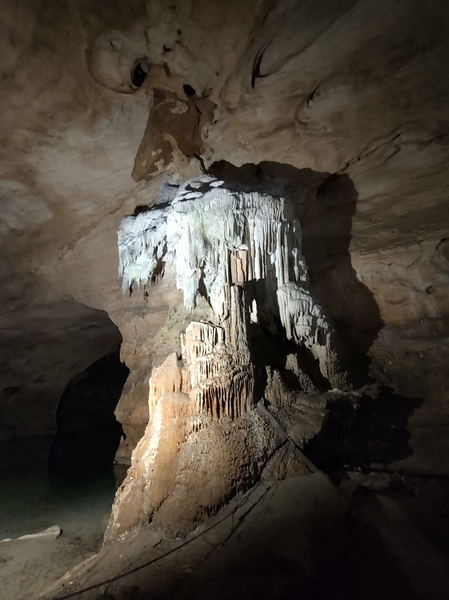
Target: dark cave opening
x,y
140,72
88,434
66,479
188,90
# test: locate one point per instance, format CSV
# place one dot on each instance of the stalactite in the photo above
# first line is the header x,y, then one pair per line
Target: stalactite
x,y
227,239
203,230
243,251
140,253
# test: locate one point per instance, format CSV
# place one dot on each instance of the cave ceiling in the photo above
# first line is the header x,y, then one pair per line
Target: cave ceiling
x,y
345,102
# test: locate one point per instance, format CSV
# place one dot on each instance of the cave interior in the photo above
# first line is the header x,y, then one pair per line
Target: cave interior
x,y
224,299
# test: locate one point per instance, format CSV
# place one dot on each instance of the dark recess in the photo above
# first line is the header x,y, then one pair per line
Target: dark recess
x,y
363,432
140,72
255,72
188,90
88,434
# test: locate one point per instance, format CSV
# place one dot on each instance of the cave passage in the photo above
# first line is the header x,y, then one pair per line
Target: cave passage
x,y
68,482
88,434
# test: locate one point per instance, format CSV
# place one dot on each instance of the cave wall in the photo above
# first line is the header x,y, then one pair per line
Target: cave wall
x,y
43,348
349,89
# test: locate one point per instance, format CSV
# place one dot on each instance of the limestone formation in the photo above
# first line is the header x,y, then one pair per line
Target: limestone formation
x,y
200,448
107,109
242,251
220,238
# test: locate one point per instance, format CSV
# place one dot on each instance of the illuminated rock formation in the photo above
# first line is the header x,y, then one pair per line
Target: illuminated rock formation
x,y
241,251
222,238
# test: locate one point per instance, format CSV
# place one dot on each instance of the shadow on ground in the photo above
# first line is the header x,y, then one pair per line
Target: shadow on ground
x,y
362,432
298,540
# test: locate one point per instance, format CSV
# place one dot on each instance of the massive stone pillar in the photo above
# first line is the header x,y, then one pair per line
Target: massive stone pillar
x,y
210,436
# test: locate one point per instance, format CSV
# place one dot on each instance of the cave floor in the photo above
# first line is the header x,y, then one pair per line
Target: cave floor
x,y
30,502
304,537
379,533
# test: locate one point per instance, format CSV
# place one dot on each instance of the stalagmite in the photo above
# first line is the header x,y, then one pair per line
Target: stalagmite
x,y
219,237
208,438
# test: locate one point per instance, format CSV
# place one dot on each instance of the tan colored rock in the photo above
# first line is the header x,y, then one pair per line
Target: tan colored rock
x,y
355,89
211,391
173,126
51,533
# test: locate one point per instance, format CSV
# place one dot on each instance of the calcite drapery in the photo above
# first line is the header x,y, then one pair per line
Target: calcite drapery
x,y
219,236
221,383
208,438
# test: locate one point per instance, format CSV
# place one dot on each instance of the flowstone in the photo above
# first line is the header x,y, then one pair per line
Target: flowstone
x,y
219,237
210,435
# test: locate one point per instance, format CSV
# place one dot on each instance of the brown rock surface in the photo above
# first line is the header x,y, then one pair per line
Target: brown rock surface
x,y
345,102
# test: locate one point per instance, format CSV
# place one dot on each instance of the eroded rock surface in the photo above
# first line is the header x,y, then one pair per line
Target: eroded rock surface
x,y
342,106
343,103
